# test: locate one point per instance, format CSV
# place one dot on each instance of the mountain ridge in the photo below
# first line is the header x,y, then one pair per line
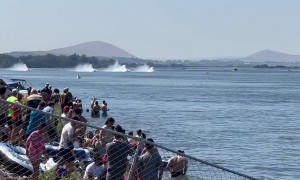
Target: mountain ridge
x,y
92,48
273,56
104,49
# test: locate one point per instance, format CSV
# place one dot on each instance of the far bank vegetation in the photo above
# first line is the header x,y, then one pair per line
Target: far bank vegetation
x,y
276,66
52,61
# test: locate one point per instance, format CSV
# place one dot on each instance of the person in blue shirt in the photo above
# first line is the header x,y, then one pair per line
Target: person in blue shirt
x,y
36,118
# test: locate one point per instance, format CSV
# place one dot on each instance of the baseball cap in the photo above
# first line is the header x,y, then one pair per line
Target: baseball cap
x,y
14,91
66,108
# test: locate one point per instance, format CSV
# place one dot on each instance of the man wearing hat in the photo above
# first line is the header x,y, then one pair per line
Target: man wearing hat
x,y
46,89
34,99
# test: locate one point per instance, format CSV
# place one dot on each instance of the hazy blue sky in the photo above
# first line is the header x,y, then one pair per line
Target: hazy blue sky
x,y
154,28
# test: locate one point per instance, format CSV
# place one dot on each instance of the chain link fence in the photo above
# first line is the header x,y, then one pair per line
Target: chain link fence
x,y
48,141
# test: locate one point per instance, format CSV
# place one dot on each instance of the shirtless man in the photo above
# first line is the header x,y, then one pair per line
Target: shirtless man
x,y
96,110
177,165
104,109
63,100
103,137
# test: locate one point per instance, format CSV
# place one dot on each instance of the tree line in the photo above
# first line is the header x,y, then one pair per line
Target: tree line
x,y
53,61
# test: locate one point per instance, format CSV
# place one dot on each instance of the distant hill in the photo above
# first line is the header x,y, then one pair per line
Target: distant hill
x,y
258,57
271,56
103,49
93,48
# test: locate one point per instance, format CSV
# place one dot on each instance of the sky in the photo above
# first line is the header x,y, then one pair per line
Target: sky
x,y
178,29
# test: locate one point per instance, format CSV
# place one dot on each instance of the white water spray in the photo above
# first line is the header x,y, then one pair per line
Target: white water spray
x,y
116,68
84,68
19,67
143,68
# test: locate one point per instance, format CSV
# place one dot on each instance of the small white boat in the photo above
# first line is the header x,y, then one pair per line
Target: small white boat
x,y
78,76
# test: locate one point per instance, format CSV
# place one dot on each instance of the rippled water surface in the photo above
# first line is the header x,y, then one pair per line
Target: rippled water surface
x,y
246,120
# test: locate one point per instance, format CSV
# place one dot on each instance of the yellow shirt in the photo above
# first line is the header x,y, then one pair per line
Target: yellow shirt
x,y
11,99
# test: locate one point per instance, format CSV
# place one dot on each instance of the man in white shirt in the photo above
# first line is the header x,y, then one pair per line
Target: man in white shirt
x,y
51,121
66,146
96,169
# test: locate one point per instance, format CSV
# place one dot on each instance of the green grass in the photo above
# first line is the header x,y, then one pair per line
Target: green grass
x,y
50,175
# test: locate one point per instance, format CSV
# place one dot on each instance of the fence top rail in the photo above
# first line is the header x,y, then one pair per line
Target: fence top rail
x,y
135,138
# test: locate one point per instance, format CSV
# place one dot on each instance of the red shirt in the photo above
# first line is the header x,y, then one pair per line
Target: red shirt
x,y
16,112
36,142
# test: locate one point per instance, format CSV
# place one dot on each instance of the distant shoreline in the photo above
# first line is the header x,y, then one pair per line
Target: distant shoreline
x,y
63,61
276,66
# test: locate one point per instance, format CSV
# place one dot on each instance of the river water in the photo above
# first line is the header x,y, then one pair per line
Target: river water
x,y
246,120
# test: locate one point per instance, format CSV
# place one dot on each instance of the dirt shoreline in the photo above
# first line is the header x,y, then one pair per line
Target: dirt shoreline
x,y
7,175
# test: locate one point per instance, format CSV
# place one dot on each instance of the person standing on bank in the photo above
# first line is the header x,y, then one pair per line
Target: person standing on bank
x,y
150,163
66,145
35,147
117,152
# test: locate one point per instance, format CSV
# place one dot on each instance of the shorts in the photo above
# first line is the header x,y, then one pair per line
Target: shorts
x,y
17,123
9,122
26,122
175,174
25,136
96,113
2,119
51,133
67,155
104,114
